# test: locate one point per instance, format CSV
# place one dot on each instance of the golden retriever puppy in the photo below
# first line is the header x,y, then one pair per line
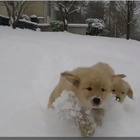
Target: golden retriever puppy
x,y
91,85
121,89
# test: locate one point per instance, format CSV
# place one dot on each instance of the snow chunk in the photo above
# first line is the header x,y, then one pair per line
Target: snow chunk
x,y
67,105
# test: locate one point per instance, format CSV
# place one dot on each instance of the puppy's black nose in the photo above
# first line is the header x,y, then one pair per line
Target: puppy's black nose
x,y
96,101
118,98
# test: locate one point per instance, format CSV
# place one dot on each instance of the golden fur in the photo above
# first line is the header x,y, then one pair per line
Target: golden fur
x,y
86,83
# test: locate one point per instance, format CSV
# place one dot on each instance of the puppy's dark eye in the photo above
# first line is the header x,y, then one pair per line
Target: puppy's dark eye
x,y
122,92
102,89
113,90
89,88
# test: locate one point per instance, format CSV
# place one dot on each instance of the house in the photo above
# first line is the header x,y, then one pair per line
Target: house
x,y
41,13
43,10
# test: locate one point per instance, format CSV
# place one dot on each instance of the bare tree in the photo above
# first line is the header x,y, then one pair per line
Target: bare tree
x,y
130,12
14,10
126,11
96,9
66,9
121,13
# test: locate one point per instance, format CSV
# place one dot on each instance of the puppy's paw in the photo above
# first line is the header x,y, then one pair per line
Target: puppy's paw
x,y
98,122
85,125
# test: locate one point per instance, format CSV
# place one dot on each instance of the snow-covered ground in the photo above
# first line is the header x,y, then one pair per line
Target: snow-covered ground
x,y
30,67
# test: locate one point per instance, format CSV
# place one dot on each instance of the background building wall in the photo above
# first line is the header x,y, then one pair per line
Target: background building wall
x,y
3,11
35,8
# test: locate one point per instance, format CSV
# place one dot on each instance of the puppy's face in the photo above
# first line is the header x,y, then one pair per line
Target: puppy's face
x,y
91,91
121,89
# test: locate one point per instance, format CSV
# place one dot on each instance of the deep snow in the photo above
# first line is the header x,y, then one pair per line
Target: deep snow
x,y
31,63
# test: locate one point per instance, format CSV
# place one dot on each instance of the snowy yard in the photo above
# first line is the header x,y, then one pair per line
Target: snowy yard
x,y
30,66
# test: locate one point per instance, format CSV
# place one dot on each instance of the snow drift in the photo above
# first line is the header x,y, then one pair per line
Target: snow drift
x,y
31,63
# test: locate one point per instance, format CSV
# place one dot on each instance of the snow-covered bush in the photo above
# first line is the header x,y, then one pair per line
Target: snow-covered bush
x,y
57,26
25,17
105,32
95,26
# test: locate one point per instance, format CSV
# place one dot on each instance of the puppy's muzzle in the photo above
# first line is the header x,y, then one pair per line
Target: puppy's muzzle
x,y
118,98
96,101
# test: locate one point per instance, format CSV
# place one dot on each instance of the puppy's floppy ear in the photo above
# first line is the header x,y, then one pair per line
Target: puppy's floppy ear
x,y
119,76
71,78
130,93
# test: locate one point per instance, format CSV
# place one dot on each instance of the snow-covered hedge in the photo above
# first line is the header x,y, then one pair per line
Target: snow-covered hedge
x,y
57,26
95,26
4,20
